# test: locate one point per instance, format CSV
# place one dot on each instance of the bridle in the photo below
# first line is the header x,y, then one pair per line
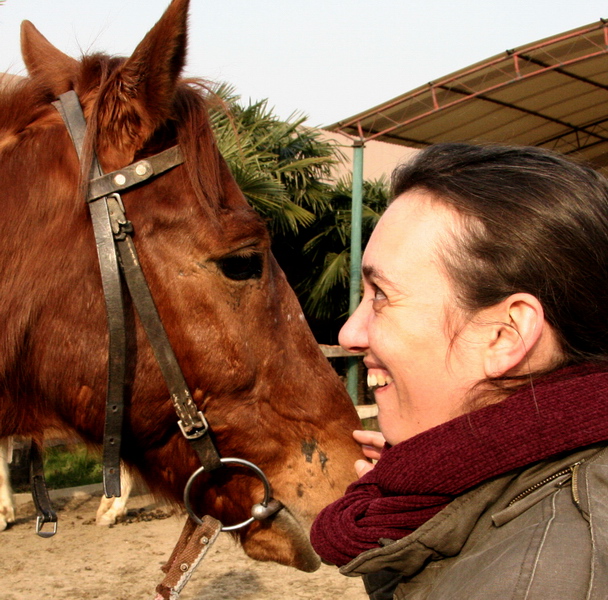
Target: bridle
x,y
118,260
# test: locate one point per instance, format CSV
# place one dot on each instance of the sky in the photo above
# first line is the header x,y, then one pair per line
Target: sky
x,y
327,59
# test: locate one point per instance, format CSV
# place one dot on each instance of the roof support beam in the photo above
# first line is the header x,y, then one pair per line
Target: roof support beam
x,y
569,126
562,71
429,113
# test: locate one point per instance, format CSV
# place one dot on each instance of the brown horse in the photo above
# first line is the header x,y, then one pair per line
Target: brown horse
x,y
235,326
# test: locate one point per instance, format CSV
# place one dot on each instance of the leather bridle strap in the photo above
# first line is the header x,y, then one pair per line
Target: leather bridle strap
x,y
112,233
191,421
71,112
135,173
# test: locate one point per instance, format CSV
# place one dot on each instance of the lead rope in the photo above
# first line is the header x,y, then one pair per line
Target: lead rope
x,y
192,546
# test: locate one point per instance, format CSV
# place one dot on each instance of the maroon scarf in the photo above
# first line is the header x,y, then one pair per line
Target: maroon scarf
x,y
415,479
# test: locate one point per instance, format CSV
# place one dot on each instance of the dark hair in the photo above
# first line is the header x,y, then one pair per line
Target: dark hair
x,y
535,222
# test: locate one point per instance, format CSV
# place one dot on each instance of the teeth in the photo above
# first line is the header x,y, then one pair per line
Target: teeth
x,y
378,380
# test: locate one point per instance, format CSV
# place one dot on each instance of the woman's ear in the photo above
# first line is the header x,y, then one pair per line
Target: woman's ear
x,y
519,336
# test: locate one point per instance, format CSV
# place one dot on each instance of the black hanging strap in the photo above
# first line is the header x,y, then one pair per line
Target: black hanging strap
x,y
40,494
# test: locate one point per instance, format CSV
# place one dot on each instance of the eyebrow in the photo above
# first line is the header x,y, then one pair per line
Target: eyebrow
x,y
373,273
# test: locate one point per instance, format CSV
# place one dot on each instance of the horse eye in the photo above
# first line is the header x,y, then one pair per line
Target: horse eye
x,y
241,267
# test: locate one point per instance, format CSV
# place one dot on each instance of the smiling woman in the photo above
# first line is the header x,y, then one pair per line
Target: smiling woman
x,y
485,334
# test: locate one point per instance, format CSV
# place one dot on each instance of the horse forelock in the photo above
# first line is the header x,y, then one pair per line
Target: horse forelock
x,y
187,124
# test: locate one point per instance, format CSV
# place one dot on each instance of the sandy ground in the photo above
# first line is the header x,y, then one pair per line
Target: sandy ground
x,y
84,561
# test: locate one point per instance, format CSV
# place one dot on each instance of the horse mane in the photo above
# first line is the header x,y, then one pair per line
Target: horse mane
x,y
21,103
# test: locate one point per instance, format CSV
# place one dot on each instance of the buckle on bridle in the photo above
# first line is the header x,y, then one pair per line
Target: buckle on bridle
x,y
196,429
121,226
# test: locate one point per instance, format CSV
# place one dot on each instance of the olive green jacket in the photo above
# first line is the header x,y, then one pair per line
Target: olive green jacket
x,y
540,533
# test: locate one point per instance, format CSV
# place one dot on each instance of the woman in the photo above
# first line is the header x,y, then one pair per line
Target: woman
x,y
484,323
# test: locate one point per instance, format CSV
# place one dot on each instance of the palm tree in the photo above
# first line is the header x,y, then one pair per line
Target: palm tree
x,y
282,167
329,249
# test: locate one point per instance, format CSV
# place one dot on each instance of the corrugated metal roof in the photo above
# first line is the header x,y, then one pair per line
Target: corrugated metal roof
x,y
551,93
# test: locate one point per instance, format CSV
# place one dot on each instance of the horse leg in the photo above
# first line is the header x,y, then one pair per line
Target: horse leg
x,y
7,507
112,509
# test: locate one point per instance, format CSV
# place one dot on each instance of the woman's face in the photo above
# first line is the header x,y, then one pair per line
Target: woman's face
x,y
407,319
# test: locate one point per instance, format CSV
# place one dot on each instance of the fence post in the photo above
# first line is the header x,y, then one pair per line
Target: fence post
x,y
352,381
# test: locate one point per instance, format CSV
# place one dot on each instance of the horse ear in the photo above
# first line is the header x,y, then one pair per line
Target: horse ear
x,y
150,75
140,96
45,63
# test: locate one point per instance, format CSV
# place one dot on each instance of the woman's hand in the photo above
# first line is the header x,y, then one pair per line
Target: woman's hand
x,y
372,443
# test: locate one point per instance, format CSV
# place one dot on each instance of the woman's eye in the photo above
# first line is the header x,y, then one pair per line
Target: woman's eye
x,y
241,267
378,299
378,293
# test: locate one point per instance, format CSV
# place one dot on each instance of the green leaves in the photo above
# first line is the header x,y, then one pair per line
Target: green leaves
x,y
282,167
325,291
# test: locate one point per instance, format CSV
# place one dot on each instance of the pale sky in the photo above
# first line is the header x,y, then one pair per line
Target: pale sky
x,y
328,59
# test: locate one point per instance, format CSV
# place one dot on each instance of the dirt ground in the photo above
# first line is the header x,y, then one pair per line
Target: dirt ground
x,y
84,561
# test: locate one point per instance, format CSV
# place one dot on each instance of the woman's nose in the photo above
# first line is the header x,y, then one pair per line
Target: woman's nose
x,y
353,335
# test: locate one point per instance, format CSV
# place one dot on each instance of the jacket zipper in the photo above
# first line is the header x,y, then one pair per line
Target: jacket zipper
x,y
539,484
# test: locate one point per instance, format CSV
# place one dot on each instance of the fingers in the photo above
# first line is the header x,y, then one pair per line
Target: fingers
x,y
371,452
362,467
371,442
371,438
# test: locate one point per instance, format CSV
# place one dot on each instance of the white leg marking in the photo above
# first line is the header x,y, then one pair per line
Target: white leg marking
x,y
7,506
112,509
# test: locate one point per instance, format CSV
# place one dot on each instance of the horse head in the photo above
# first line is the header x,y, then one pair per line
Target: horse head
x,y
236,328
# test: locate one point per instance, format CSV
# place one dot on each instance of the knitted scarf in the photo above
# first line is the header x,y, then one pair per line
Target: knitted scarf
x,y
412,481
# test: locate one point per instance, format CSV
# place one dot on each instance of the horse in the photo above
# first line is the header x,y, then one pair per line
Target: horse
x,y
255,370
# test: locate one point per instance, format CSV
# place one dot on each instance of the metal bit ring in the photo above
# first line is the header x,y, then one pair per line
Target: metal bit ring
x,y
244,463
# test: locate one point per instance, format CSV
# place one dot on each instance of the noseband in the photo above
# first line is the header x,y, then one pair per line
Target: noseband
x,y
117,260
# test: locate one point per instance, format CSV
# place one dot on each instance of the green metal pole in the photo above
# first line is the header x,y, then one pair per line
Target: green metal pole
x,y
352,382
